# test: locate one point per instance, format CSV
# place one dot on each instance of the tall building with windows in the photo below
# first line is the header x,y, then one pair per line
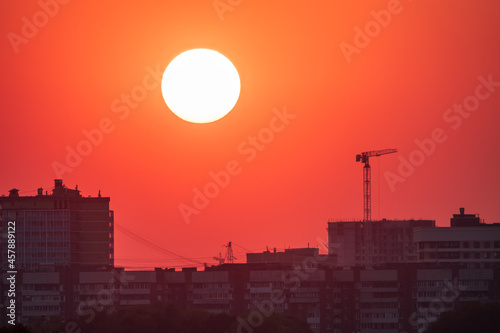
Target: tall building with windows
x,y
61,228
358,243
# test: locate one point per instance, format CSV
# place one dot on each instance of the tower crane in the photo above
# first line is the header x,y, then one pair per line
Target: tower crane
x,y
229,254
367,190
229,257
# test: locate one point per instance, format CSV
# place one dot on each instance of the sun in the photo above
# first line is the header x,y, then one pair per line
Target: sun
x,y
200,86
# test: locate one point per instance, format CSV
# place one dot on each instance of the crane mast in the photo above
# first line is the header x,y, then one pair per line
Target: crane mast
x,y
229,257
367,190
229,254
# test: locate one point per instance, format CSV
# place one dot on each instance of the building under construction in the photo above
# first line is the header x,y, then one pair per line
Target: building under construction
x,y
370,243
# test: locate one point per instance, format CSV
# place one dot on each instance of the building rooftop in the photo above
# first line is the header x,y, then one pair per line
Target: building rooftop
x,y
59,190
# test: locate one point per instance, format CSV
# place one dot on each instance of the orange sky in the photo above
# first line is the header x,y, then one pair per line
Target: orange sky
x,y
392,85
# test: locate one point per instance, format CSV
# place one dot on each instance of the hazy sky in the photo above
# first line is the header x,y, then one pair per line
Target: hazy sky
x,y
321,82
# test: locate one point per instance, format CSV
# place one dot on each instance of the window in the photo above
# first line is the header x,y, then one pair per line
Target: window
x,y
444,255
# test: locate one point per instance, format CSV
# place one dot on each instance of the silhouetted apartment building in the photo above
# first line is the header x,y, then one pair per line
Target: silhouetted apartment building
x,y
358,243
61,228
468,242
391,298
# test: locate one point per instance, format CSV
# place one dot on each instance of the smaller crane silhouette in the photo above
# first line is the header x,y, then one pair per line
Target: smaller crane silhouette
x,y
228,258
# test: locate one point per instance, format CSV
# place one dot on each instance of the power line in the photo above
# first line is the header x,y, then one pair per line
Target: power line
x,y
248,251
146,241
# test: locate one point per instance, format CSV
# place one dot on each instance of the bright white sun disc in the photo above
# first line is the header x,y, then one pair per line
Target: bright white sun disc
x,y
200,86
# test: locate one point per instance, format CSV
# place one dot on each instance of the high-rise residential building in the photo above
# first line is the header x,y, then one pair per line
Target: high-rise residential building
x,y
467,241
61,228
358,243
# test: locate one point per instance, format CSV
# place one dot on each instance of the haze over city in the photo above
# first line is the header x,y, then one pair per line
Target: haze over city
x,y
315,91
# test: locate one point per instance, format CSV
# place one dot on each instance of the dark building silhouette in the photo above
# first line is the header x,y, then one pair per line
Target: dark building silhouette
x,y
359,243
387,298
467,242
291,256
464,220
61,228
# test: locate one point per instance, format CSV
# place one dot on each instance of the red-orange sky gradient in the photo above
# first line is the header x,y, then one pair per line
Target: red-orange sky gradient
x,y
68,75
